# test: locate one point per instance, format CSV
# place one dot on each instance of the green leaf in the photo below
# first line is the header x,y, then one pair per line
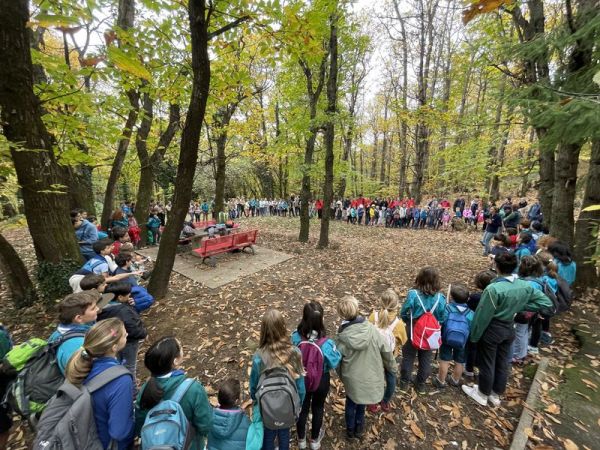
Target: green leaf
x,y
128,63
597,78
591,207
55,20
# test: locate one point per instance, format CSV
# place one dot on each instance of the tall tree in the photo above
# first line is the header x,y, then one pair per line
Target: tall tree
x,y
31,146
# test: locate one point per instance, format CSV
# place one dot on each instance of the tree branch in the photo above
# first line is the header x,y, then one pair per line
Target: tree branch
x,y
228,27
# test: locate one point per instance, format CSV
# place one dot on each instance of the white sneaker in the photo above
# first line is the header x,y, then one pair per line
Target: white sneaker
x,y
532,350
315,444
473,392
302,443
494,399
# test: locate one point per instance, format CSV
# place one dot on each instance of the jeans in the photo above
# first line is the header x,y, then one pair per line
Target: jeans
x,y
355,415
538,324
519,346
487,237
409,353
493,353
315,402
471,348
129,356
390,386
282,435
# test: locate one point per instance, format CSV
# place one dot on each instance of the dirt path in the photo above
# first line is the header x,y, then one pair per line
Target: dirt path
x,y
219,328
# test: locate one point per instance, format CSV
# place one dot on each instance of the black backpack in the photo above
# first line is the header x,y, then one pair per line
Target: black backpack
x,y
559,302
39,380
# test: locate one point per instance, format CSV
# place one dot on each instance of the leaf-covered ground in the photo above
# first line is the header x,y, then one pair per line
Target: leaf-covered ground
x,y
220,328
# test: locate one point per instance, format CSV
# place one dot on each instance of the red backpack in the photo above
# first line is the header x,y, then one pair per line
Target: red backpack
x,y
427,332
313,362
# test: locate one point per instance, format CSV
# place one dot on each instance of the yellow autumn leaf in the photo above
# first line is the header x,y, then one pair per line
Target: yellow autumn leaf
x,y
128,63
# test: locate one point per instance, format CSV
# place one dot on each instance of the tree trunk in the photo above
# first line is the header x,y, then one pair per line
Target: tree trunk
x,y
586,230
546,183
330,129
144,194
20,285
375,151
565,179
220,172
81,192
125,20
188,153
38,174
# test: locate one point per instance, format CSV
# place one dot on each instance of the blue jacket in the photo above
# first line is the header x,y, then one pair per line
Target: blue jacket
x,y
153,222
86,234
535,213
229,429
331,355
494,225
522,250
97,264
67,348
412,303
258,366
567,271
131,279
113,406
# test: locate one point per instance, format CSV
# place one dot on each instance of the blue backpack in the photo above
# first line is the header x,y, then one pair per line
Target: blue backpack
x,y
166,425
456,329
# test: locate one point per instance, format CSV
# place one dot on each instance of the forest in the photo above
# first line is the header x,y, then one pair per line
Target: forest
x,y
134,100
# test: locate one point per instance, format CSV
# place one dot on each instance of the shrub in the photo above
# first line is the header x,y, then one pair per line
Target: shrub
x,y
53,279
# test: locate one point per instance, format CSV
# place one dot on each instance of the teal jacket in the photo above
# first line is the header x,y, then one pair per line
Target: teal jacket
x,y
229,429
567,271
70,346
412,304
195,406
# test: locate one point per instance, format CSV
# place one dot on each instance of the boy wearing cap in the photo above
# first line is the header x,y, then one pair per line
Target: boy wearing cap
x,y
76,315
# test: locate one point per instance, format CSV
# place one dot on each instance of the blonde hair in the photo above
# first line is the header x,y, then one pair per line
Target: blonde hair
x,y
389,307
275,347
97,343
347,307
548,261
545,241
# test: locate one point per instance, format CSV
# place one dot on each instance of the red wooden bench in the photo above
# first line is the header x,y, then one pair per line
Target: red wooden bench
x,y
223,244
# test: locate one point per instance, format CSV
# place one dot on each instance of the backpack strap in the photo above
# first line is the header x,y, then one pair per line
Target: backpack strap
x,y
436,303
105,377
182,389
392,326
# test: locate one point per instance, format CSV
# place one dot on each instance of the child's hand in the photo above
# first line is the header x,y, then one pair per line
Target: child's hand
x,y
131,301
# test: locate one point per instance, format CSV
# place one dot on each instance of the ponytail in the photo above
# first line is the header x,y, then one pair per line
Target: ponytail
x,y
389,306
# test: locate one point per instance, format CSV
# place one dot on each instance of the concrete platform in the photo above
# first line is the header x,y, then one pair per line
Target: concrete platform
x,y
230,266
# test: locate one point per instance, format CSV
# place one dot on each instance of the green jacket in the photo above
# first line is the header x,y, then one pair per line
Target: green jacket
x,y
504,298
364,357
194,403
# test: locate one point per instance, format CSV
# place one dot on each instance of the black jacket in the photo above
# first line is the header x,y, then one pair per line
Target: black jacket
x,y
130,317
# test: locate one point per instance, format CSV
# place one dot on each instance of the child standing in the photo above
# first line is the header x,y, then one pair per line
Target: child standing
x,y
310,332
153,224
446,219
230,423
425,296
162,360
567,269
122,308
455,329
275,350
365,356
393,331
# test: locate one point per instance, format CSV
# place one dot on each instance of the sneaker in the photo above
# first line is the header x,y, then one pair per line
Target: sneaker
x,y
437,383
420,388
350,434
546,338
385,406
403,385
359,431
473,392
373,408
451,381
315,444
302,443
532,350
494,399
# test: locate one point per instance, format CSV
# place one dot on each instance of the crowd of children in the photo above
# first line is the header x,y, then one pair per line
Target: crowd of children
x,y
100,328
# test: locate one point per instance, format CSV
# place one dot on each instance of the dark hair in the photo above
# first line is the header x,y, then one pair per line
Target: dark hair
x,y
531,266
512,231
118,232
75,304
561,251
525,237
91,281
484,278
312,320
159,360
503,239
75,212
536,226
100,245
459,292
91,219
122,259
229,394
545,228
506,263
428,281
119,288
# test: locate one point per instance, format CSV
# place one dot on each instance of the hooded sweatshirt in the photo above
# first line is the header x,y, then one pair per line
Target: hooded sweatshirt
x,y
70,346
364,358
229,429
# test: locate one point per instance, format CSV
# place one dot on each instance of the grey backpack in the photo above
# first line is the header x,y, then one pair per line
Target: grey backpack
x,y
68,423
278,399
